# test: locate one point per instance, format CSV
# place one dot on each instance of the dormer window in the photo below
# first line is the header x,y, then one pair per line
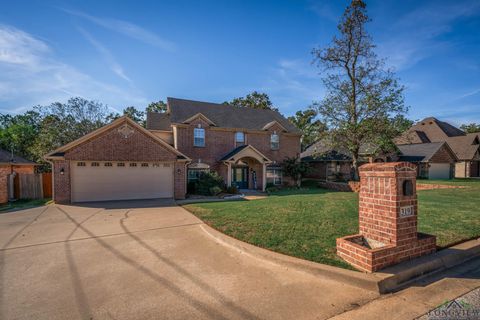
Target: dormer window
x,y
199,137
275,141
239,139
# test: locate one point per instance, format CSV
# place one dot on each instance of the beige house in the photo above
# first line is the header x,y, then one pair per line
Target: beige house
x,y
466,146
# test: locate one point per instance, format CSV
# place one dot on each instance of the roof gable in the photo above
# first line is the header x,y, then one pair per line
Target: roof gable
x,y
224,116
422,152
124,126
199,116
8,157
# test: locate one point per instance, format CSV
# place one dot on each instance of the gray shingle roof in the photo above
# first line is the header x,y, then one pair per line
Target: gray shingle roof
x,y
222,115
6,157
465,147
419,152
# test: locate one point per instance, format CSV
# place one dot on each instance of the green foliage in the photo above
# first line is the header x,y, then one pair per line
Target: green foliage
x,y
311,127
232,189
254,100
471,127
207,184
363,98
135,114
294,168
158,106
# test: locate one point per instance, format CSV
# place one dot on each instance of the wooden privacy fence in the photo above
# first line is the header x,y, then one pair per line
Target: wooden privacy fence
x,y
33,186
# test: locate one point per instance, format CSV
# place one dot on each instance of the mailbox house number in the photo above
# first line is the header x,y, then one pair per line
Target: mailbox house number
x,y
406,211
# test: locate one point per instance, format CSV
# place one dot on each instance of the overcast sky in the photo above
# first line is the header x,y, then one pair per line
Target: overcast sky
x,y
127,53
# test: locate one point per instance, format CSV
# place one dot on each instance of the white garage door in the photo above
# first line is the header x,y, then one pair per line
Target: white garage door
x,y
439,171
100,181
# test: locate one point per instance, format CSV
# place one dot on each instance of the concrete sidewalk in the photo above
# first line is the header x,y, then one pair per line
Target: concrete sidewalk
x,y
422,296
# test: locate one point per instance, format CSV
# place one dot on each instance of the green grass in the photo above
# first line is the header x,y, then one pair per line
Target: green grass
x,y
23,204
305,223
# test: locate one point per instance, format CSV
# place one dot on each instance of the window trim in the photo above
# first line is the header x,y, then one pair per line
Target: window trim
x,y
236,137
277,176
274,145
199,137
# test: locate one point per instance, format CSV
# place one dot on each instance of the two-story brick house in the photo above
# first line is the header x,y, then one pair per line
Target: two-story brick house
x,y
126,161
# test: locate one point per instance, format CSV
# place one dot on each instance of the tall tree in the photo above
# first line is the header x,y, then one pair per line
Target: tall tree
x,y
254,100
61,123
18,133
135,114
363,97
158,106
471,127
311,127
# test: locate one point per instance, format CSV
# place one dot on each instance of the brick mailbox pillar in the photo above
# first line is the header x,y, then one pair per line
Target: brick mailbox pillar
x,y
387,219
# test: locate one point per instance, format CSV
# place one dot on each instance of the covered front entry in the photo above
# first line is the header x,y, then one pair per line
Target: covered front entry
x,y
246,167
240,177
101,181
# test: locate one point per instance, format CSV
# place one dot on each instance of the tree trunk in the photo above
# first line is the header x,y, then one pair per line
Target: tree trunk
x,y
356,176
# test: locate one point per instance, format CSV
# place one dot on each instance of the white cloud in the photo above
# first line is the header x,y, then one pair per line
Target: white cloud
x,y
30,75
294,84
415,36
126,28
107,55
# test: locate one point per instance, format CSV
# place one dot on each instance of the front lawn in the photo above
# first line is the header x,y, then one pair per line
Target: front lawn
x,y
23,204
305,223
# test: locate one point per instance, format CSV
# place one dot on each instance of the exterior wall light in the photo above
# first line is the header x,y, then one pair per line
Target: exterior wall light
x,y
62,171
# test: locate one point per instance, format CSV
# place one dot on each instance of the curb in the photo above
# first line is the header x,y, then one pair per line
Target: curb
x,y
400,276
353,278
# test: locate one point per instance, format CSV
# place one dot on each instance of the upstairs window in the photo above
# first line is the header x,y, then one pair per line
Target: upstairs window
x,y
199,137
239,139
274,141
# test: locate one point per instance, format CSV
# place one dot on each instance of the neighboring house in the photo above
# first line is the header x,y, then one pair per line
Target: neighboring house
x,y
123,160
335,163
11,165
434,160
465,146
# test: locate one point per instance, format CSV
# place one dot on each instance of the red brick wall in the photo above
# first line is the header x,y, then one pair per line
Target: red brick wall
x,y
180,181
61,182
220,142
24,169
4,172
443,156
113,146
380,200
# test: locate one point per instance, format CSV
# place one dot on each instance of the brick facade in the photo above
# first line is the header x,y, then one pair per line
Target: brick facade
x,y
114,144
5,171
387,219
220,141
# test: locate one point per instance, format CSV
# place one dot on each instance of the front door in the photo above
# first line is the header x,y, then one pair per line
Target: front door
x,y
240,177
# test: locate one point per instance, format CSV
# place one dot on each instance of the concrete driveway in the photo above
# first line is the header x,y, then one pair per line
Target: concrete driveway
x,y
147,260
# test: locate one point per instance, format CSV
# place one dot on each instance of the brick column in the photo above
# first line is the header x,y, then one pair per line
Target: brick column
x,y
387,219
180,180
61,181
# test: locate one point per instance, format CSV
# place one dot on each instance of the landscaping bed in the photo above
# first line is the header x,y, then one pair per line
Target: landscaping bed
x,y
305,222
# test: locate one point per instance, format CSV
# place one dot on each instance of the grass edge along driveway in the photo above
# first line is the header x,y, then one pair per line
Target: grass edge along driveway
x,y
305,223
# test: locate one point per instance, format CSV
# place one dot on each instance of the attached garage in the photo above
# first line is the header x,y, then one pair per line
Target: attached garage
x,y
100,181
439,171
121,161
